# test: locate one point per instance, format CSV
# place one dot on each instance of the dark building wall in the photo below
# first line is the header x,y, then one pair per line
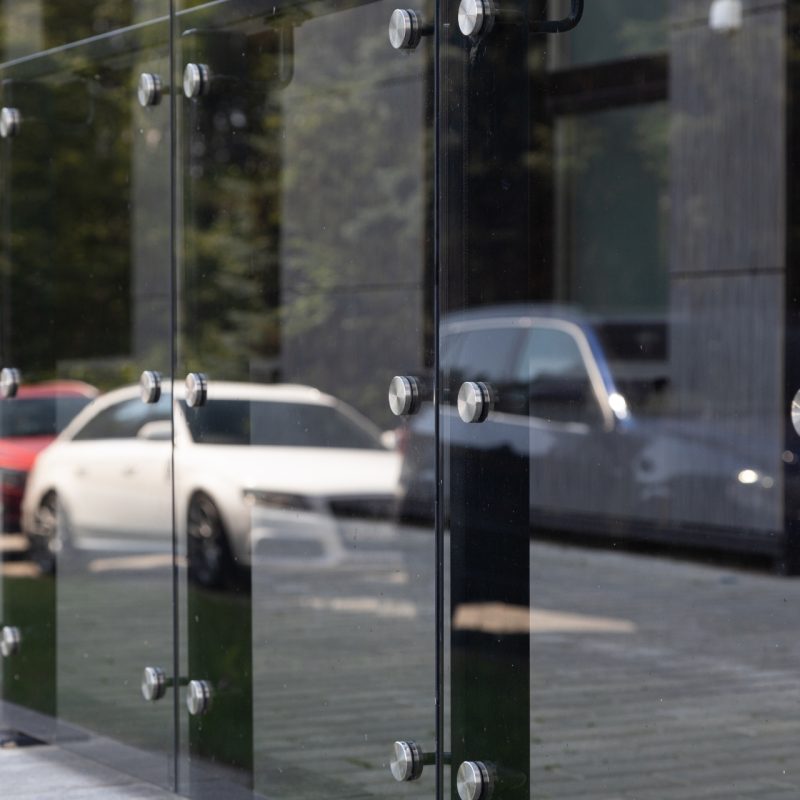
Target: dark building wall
x,y
728,232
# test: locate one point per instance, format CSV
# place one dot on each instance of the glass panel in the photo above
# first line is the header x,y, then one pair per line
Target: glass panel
x,y
305,285
611,31
617,249
87,308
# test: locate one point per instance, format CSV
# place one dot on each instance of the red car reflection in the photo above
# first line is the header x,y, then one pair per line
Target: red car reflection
x,y
28,423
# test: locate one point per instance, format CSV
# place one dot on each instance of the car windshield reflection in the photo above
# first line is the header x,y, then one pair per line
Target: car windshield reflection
x,y
279,424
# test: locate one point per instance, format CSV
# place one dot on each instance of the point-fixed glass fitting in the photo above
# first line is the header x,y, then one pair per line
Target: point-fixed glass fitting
x,y
10,641
196,80
10,380
150,386
10,122
196,389
406,29
404,395
473,781
198,698
149,89
474,401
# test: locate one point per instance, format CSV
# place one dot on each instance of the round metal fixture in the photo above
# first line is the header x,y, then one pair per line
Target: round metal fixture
x,y
198,700
10,379
154,684
10,122
475,17
10,641
404,395
196,80
473,781
196,389
796,413
150,386
406,761
474,401
405,29
149,89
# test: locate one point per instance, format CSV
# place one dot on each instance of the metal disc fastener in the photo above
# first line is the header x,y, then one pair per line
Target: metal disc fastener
x,y
196,389
149,89
405,29
150,386
406,762
198,699
404,395
795,413
474,401
10,379
10,122
154,683
475,17
473,781
10,641
196,80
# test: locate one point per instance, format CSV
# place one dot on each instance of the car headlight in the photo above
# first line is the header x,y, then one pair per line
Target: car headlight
x,y
280,500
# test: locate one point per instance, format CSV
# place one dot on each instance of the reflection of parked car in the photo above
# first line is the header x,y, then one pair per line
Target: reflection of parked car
x,y
586,405
252,457
28,423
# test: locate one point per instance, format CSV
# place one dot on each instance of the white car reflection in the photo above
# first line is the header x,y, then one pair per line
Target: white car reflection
x,y
262,472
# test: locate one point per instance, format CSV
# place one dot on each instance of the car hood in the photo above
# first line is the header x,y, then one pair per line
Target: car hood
x,y
20,453
313,471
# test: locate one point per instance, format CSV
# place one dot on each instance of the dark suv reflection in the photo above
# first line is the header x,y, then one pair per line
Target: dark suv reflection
x,y
589,402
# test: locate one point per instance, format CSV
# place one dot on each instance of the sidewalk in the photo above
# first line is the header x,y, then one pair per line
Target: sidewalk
x,y
49,772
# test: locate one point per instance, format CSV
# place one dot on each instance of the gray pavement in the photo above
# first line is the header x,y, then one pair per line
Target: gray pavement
x,y
652,678
43,772
699,699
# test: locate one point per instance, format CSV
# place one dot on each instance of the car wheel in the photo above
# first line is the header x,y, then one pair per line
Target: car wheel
x,y
208,552
48,535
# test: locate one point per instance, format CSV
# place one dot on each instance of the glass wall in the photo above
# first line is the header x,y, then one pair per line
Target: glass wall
x,y
402,395
87,308
617,369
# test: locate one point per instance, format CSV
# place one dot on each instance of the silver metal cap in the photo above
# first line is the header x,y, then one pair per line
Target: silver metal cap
x,y
195,80
796,413
472,781
10,122
404,395
149,89
10,641
404,29
10,379
150,386
406,761
474,401
198,699
474,16
196,389
154,684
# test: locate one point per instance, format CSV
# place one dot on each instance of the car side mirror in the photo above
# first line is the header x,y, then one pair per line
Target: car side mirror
x,y
157,431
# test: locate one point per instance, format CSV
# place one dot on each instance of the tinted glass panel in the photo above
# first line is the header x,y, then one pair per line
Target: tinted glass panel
x,y
618,536
305,286
86,291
